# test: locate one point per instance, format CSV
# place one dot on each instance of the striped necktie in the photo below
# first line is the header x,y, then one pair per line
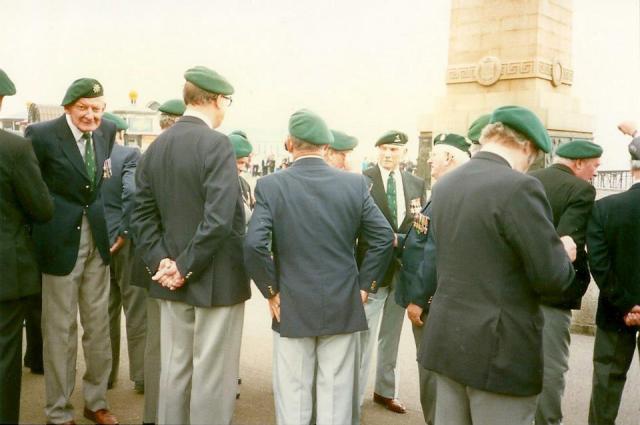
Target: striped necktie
x,y
391,198
90,159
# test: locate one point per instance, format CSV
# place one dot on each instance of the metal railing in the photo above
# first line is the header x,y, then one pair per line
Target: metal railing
x,y
617,180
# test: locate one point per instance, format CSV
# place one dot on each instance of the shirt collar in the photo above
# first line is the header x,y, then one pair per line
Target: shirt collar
x,y
77,133
309,156
385,173
193,113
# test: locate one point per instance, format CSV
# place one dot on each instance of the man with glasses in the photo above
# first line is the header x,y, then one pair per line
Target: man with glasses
x,y
189,224
73,251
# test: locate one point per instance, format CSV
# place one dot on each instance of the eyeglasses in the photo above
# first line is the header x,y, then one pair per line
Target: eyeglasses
x,y
228,100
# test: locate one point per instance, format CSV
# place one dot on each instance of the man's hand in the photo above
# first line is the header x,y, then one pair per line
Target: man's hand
x,y
627,127
364,296
632,318
119,243
168,275
570,247
395,240
274,307
414,312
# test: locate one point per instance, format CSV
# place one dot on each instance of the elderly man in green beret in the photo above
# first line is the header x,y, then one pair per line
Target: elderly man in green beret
x,y
73,251
340,150
475,130
189,226
242,148
314,289
25,199
567,184
170,112
399,195
483,338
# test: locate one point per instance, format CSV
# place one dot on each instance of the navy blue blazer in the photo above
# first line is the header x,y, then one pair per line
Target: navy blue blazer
x,y
118,191
300,243
63,169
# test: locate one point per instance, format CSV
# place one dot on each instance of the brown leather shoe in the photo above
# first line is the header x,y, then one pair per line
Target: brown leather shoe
x,y
64,423
102,416
392,404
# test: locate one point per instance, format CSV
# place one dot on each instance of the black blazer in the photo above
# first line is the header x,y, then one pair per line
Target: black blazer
x,y
414,190
23,198
308,216
571,200
189,208
613,242
118,191
497,253
57,241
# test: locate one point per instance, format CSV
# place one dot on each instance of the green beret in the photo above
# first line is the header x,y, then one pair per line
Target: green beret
x,y
208,80
307,126
393,137
475,130
6,85
173,107
83,87
118,121
451,139
240,132
241,145
342,141
524,122
579,149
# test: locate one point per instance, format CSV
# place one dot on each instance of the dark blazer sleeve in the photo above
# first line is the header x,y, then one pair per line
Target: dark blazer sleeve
x,y
147,222
257,246
31,190
379,236
427,275
529,229
575,217
222,189
128,190
600,263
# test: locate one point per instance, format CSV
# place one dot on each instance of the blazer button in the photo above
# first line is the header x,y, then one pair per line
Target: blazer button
x,y
86,187
78,227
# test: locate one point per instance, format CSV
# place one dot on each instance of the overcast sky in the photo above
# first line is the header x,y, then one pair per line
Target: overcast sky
x,y
365,66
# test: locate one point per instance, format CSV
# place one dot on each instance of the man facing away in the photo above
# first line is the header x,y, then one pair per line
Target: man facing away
x,y
569,191
300,253
189,224
73,251
483,338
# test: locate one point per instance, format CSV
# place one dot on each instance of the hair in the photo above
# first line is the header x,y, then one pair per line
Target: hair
x,y
302,146
635,165
194,95
167,120
500,133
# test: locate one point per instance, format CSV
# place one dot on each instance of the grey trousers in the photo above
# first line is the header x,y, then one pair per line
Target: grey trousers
x,y
133,299
152,362
426,378
555,343
612,356
85,289
200,357
296,360
458,404
384,317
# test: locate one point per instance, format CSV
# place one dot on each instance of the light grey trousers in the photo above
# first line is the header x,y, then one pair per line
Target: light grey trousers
x,y
152,362
457,404
426,378
200,357
295,361
85,289
555,345
133,299
384,317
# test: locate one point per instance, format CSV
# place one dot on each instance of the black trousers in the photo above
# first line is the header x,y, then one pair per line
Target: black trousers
x,y
33,326
11,319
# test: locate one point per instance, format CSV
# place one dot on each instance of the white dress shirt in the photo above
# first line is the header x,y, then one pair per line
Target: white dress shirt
x,y
198,114
77,134
400,203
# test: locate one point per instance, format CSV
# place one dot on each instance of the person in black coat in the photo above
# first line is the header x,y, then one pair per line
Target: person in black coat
x,y
569,191
399,195
300,253
24,198
614,248
73,250
497,252
189,224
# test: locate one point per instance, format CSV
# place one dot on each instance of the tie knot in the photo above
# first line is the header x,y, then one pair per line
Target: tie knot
x,y
86,136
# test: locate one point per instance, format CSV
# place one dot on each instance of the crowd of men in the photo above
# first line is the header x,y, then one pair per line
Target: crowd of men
x,y
487,269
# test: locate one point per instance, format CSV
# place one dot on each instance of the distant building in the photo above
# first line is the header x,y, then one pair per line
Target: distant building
x,y
144,125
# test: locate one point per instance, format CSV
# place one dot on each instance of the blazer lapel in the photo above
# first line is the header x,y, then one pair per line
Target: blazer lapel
x,y
69,147
409,194
100,147
379,195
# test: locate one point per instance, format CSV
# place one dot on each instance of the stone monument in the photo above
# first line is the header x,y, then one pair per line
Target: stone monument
x,y
510,52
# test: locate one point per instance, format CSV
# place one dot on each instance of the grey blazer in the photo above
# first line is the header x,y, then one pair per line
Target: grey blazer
x,y
497,252
188,208
300,243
